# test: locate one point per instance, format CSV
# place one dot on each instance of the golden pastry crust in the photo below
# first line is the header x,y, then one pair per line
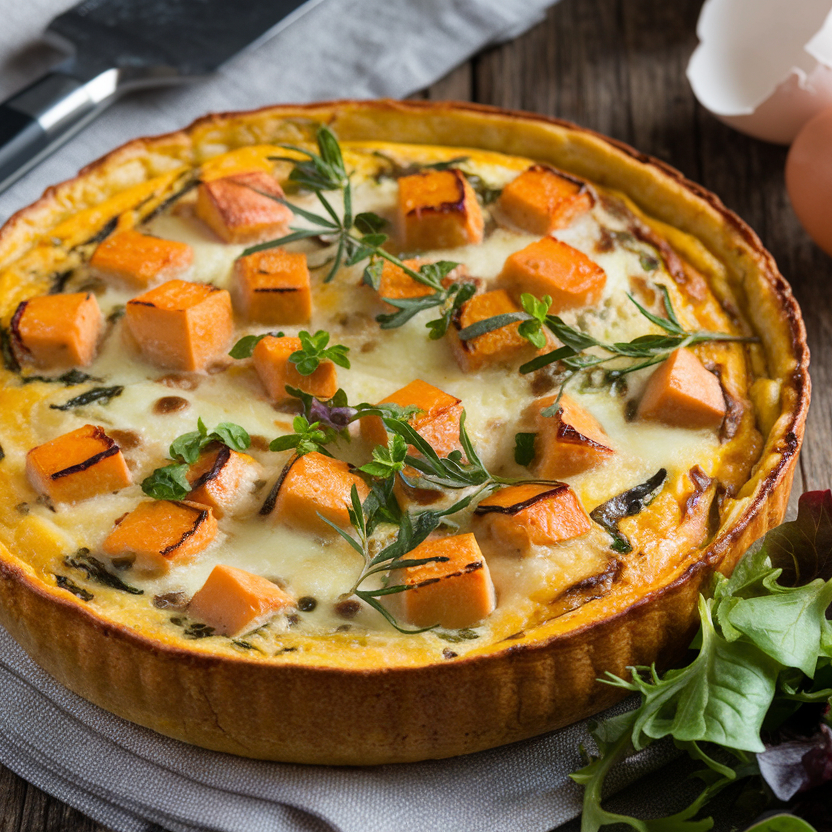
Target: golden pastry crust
x,y
543,678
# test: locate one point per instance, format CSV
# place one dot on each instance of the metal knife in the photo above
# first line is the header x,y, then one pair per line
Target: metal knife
x,y
118,45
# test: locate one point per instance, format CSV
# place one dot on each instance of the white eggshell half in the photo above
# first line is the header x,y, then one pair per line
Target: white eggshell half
x,y
764,67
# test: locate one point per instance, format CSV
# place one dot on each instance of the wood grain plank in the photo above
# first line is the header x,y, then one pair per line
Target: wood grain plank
x,y
457,85
25,808
12,796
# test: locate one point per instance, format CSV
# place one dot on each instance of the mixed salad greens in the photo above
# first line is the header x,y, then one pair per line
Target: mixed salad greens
x,y
753,704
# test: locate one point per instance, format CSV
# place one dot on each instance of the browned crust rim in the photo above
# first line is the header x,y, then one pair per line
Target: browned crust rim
x,y
740,533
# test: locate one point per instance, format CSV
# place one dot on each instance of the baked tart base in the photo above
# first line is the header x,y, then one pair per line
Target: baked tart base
x,y
354,708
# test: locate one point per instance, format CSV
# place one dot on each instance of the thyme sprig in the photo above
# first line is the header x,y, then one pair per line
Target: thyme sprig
x,y
358,237
643,351
313,350
308,437
170,482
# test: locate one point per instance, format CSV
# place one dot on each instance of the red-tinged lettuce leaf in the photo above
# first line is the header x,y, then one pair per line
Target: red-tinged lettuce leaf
x,y
803,547
798,765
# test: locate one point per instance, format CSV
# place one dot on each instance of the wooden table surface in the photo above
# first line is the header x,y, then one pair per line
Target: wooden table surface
x,y
616,66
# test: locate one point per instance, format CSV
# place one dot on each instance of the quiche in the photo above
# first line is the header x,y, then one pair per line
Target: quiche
x,y
376,432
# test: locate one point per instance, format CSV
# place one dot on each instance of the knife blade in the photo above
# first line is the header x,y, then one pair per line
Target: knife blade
x,y
114,46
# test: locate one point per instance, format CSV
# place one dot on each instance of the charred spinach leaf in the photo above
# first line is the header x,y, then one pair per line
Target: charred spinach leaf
x,y
485,192
59,282
626,504
169,201
70,586
457,636
100,395
192,629
68,379
101,234
95,570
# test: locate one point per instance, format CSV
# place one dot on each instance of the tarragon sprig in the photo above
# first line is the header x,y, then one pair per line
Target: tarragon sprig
x,y
421,467
643,351
381,506
358,237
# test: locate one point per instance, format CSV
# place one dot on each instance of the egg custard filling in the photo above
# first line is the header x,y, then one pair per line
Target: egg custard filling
x,y
376,405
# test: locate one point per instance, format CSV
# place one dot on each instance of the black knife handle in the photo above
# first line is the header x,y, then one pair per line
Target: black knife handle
x,y
40,118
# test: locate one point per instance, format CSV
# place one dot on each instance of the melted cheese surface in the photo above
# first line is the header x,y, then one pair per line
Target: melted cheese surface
x,y
530,590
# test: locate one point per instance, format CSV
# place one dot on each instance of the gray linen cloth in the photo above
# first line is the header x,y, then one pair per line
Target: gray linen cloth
x,y
130,778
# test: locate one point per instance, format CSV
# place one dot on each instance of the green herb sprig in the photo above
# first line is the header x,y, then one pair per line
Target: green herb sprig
x,y
312,353
308,437
358,237
764,650
461,470
413,528
314,350
643,351
170,482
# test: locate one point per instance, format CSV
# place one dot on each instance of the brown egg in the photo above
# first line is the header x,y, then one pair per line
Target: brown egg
x,y
809,178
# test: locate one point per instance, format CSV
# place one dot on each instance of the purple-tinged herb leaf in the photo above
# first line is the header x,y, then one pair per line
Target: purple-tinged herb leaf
x,y
331,415
798,765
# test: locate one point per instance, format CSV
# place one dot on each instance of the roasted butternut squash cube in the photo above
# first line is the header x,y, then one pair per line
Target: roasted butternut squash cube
x,y
552,267
237,209
273,287
542,200
438,209
569,442
437,422
271,360
78,465
140,260
234,601
520,517
316,484
181,325
500,346
682,393
57,331
221,479
453,593
396,284
159,534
